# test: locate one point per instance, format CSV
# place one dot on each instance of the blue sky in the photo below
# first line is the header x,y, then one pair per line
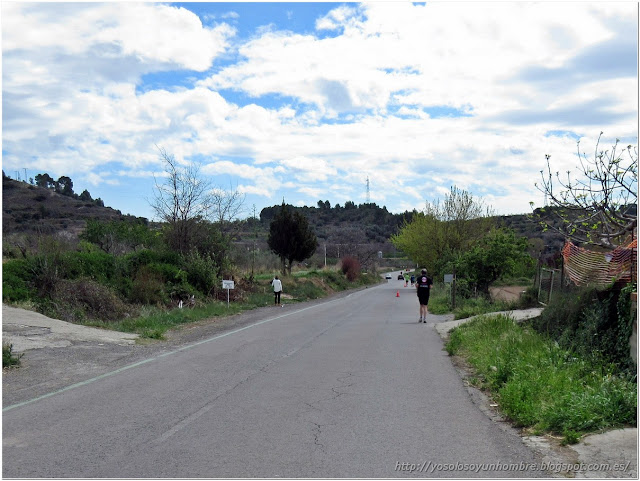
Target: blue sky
x,y
306,101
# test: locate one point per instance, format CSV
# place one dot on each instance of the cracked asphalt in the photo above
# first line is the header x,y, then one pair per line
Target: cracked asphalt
x,y
347,387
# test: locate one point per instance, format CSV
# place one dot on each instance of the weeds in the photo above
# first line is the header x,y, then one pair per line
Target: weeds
x,y
540,385
154,322
9,359
440,303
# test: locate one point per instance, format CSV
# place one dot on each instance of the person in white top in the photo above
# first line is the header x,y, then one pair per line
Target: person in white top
x,y
277,290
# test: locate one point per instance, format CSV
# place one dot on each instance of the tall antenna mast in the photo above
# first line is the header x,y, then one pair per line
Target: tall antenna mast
x,y
368,192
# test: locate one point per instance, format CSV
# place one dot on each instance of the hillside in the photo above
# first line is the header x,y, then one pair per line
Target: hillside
x,y
37,210
31,209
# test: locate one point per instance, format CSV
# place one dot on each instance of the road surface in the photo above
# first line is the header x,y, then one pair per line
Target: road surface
x,y
350,387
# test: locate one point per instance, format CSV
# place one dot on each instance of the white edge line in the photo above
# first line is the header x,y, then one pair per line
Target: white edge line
x,y
145,361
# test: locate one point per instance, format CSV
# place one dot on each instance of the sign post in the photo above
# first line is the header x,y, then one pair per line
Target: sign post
x,y
228,285
451,279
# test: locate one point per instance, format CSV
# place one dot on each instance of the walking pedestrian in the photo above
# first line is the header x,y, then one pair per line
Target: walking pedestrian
x,y
277,290
423,286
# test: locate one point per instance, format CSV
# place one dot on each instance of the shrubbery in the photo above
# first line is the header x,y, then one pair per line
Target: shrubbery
x,y
351,268
592,323
80,299
17,285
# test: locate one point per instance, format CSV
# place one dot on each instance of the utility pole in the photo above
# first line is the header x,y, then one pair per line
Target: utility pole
x,y
368,192
255,239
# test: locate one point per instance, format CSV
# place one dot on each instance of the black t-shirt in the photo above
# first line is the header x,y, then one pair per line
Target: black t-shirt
x,y
424,284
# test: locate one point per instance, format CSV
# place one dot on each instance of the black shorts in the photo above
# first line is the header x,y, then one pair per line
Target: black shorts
x,y
423,299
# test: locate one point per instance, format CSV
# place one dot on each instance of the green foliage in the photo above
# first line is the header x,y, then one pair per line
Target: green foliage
x,y
201,271
497,254
115,236
437,236
594,324
9,359
290,237
17,281
97,265
538,383
148,287
154,322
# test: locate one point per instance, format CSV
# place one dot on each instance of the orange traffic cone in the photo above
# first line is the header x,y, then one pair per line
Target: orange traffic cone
x,y
398,294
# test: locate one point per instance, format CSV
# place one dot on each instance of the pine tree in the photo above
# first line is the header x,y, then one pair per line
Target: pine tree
x,y
291,238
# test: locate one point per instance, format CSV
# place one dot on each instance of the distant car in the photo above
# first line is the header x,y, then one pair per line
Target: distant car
x,y
388,276
400,277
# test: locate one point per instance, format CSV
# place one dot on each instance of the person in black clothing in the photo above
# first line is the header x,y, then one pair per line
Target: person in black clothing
x,y
423,286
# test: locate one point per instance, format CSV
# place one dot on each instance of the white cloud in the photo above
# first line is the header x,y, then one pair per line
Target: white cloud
x,y
417,98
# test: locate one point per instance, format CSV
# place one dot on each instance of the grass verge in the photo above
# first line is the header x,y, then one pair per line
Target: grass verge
x,y
541,386
440,303
153,323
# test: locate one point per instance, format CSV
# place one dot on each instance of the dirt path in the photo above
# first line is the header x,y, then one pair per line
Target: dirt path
x,y
506,293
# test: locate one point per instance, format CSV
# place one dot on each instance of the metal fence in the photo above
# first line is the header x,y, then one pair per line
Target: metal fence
x,y
549,283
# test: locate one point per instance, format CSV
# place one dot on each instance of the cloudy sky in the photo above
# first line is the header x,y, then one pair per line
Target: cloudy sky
x,y
306,101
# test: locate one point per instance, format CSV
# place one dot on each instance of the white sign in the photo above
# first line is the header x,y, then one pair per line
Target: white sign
x,y
228,284
448,278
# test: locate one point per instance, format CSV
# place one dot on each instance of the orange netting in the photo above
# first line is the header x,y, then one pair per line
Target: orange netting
x,y
600,269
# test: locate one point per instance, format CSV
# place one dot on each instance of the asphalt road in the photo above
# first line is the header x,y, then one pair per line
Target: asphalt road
x,y
349,387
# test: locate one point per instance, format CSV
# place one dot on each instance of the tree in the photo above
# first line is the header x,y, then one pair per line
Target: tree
x,y
180,201
443,229
497,254
597,207
291,238
118,236
64,186
226,206
85,196
45,180
188,203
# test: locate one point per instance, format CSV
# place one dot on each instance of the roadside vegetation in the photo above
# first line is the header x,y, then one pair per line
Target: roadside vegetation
x,y
540,385
440,301
131,275
140,292
153,322
9,358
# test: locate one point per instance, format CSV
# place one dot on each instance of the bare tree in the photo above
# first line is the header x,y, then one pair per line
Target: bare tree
x,y
226,206
185,200
181,200
599,206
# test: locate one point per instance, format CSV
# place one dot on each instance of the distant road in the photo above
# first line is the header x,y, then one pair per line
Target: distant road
x,y
352,388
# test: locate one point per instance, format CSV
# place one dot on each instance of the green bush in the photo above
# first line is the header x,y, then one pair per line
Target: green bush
x,y
17,283
145,257
201,272
96,265
592,323
148,287
9,359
